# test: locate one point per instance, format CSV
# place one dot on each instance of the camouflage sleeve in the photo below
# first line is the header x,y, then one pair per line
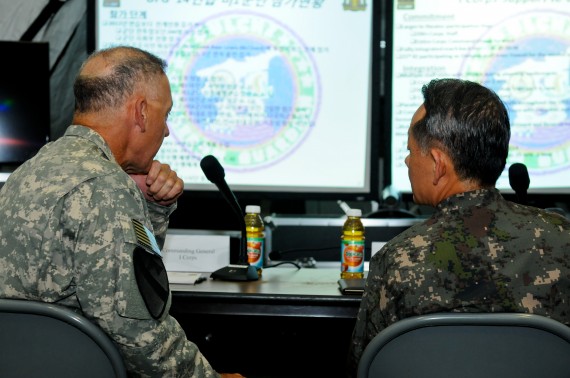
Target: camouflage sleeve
x,y
159,216
98,231
370,319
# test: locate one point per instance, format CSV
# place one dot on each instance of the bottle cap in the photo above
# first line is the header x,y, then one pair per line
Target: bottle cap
x,y
354,212
253,209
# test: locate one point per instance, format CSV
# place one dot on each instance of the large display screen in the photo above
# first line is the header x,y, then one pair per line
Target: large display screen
x,y
520,49
24,101
280,92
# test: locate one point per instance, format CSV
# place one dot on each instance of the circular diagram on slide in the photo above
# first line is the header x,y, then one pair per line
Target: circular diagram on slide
x,y
526,60
245,89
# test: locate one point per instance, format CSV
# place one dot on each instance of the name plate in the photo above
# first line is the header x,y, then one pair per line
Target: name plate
x,y
196,253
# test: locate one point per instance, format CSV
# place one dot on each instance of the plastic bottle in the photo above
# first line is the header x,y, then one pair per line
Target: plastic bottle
x,y
255,228
352,246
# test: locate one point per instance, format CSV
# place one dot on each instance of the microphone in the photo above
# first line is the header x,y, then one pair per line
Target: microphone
x,y
216,174
275,255
390,206
241,271
519,181
390,197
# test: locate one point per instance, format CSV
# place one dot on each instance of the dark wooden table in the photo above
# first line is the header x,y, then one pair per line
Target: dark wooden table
x,y
289,323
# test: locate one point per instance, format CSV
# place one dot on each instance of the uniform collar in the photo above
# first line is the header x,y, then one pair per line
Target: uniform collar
x,y
474,198
92,136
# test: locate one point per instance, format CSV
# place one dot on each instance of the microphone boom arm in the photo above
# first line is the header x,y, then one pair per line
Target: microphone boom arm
x,y
243,271
233,202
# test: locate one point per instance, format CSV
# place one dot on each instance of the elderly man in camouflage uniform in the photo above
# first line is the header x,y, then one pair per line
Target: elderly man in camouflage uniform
x,y
477,252
79,219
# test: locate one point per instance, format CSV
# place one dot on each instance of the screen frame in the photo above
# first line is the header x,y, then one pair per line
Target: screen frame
x,y
386,46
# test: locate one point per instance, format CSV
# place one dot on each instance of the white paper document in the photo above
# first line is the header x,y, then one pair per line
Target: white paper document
x,y
196,253
189,278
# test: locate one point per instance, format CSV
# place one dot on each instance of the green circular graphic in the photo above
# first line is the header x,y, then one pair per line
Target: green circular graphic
x,y
526,61
245,89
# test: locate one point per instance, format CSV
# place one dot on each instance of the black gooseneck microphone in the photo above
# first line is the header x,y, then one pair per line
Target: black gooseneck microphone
x,y
275,255
519,181
241,271
216,174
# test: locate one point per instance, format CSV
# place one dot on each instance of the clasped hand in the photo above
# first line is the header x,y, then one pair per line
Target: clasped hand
x,y
160,185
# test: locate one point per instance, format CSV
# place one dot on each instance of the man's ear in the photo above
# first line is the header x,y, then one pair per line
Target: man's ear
x,y
440,164
141,114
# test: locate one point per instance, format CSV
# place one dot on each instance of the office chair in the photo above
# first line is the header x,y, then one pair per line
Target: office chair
x,y
45,340
469,345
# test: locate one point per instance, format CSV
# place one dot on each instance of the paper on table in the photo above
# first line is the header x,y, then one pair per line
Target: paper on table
x,y
183,277
196,253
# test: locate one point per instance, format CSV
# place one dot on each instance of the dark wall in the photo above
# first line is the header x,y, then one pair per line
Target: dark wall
x,y
211,212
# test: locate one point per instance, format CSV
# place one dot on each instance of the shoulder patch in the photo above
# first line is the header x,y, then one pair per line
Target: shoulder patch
x,y
152,281
145,238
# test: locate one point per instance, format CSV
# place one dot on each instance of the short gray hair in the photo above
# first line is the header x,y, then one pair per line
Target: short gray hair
x,y
133,65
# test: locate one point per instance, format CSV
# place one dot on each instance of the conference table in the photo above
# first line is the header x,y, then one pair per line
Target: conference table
x,y
289,323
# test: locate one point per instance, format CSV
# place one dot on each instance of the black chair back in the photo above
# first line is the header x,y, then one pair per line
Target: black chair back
x,y
469,345
46,340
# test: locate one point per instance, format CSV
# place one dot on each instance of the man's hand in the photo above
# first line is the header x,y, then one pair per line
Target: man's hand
x,y
161,184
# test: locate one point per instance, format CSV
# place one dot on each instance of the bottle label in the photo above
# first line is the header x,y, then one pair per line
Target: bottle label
x,y
352,256
255,251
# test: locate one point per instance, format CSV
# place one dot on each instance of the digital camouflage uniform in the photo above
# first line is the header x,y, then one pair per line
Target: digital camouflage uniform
x,y
67,237
477,253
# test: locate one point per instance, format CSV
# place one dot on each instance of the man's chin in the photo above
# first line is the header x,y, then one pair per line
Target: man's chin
x,y
137,170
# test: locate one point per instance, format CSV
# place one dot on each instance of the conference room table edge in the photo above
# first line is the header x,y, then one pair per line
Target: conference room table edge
x,y
286,292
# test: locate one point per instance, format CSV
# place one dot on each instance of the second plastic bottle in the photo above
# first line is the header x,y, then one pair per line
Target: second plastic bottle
x,y
255,228
352,246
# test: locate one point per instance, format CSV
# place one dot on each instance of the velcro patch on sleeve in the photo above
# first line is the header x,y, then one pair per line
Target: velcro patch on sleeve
x,y
145,238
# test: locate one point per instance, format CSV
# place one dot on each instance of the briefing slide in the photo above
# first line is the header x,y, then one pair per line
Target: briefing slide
x,y
278,91
518,48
